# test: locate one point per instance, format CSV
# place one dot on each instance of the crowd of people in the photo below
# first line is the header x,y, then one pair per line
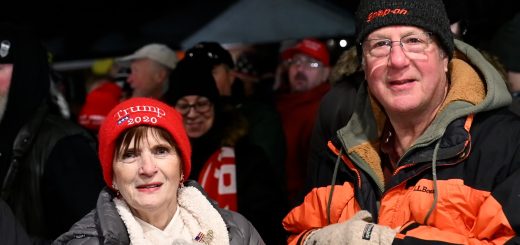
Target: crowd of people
x,y
410,136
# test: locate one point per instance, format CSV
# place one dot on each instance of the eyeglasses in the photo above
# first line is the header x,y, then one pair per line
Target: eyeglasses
x,y
201,106
412,45
304,62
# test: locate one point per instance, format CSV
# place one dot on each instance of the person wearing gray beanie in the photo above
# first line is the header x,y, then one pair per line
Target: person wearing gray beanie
x,y
430,153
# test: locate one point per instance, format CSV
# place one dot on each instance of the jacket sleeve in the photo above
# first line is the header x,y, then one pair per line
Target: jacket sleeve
x,y
241,231
312,213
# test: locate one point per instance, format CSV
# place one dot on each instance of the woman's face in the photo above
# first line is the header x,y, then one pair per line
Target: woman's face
x,y
148,174
198,114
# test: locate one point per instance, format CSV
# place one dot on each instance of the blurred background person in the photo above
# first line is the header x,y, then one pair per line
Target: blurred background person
x,y
505,46
49,172
228,165
264,123
145,155
150,68
255,74
308,69
103,93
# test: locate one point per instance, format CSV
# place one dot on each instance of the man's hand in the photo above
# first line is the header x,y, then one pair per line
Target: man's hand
x,y
357,230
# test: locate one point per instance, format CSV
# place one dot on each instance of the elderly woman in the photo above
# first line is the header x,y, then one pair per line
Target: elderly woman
x,y
145,156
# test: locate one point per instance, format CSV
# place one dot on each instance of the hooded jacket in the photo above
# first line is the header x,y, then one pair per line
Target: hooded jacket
x,y
104,224
457,184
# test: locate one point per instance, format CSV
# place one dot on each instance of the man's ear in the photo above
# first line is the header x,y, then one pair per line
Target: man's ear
x,y
161,75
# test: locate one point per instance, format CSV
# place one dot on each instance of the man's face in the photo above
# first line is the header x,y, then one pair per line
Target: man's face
x,y
305,73
146,78
6,72
402,81
224,79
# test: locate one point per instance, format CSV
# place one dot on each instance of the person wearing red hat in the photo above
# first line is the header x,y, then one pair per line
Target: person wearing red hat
x,y
308,65
145,155
103,95
308,70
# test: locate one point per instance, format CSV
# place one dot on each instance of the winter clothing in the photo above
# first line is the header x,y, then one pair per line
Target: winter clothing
x,y
335,110
246,166
218,178
10,230
49,172
427,14
228,165
135,112
356,230
298,112
104,224
458,183
58,174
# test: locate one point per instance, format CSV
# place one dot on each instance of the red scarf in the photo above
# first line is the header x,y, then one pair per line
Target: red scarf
x,y
218,178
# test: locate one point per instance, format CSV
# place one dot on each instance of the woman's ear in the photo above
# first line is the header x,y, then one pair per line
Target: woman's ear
x,y
114,185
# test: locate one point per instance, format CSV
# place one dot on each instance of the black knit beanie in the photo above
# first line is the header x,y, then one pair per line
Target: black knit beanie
x,y
209,54
427,14
190,79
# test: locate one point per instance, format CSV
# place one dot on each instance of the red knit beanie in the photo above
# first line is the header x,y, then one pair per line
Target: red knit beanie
x,y
136,112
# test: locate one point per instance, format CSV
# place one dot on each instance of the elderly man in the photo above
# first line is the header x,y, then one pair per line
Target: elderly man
x,y
150,68
430,154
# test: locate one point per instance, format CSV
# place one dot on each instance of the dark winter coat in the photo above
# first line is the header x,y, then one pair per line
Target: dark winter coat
x,y
49,172
103,225
11,231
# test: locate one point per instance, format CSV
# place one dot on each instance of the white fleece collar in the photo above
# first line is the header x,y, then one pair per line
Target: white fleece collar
x,y
198,215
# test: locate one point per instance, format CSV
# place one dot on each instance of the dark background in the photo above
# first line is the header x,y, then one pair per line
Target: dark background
x,y
81,29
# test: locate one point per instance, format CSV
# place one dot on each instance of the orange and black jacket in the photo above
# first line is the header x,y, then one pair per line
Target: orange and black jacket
x,y
459,183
